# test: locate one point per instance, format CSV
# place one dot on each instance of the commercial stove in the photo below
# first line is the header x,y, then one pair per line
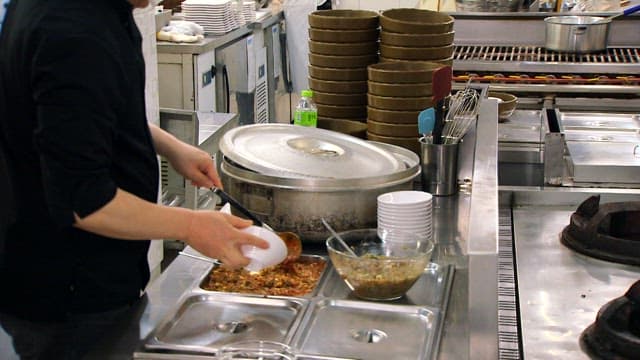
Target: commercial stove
x,y
560,289
575,111
569,164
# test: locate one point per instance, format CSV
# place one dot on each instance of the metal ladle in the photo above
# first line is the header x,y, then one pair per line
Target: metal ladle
x,y
625,12
335,234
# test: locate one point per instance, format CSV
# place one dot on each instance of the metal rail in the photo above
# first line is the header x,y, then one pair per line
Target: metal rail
x,y
529,58
613,55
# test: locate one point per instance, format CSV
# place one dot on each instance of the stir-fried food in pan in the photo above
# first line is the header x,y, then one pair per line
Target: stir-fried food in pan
x,y
295,278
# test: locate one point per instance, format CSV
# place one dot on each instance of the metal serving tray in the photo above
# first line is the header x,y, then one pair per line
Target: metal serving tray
x,y
600,121
602,136
431,289
314,292
521,127
368,330
604,162
204,322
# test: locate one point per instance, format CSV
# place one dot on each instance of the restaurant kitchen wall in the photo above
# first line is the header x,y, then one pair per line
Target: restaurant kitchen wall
x,y
376,5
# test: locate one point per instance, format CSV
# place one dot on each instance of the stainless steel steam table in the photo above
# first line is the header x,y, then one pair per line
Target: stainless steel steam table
x,y
466,233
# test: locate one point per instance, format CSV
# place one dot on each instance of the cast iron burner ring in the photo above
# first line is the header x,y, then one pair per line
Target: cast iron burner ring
x,y
616,332
609,231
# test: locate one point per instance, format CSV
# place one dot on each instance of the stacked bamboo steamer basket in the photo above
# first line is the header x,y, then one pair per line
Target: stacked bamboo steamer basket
x,y
413,43
398,91
342,43
416,35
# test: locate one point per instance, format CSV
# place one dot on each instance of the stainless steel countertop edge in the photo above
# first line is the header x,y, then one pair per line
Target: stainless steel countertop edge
x,y
482,235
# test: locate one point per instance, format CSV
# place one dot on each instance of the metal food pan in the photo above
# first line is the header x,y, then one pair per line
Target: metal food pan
x,y
604,162
431,289
203,323
600,121
204,278
368,330
602,136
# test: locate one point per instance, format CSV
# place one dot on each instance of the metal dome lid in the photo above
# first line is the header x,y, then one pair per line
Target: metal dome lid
x,y
291,151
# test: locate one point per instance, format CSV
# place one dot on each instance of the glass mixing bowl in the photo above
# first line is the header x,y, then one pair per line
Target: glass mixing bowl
x,y
256,350
383,270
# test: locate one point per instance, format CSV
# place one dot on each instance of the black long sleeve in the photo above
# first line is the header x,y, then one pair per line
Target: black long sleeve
x,y
72,77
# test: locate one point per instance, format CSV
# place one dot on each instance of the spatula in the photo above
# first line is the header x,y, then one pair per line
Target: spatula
x,y
441,87
426,121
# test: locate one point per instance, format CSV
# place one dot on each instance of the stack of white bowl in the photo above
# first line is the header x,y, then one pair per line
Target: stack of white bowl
x,y
405,215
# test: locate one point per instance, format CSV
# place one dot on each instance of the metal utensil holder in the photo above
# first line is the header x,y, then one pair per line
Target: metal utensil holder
x,y
439,167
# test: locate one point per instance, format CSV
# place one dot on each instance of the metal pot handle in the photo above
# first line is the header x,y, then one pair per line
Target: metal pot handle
x,y
580,30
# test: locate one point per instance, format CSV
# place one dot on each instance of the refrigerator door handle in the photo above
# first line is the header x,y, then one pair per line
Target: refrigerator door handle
x,y
213,76
227,91
283,63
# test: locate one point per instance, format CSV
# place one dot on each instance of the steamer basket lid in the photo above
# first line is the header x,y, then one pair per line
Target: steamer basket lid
x,y
293,151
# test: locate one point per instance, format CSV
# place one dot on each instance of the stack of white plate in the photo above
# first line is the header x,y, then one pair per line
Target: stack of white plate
x,y
248,11
215,16
405,215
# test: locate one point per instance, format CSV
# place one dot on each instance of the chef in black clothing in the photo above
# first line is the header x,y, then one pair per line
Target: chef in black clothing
x,y
81,161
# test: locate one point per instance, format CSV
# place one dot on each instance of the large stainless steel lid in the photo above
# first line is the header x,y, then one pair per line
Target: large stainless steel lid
x,y
303,152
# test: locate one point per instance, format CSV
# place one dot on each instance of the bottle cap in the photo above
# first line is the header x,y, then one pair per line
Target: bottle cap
x,y
307,93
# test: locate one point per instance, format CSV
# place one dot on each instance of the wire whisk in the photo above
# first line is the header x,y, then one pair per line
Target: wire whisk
x,y
463,111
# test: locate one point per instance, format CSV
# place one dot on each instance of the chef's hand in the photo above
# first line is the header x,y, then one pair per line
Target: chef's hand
x,y
218,235
191,162
195,165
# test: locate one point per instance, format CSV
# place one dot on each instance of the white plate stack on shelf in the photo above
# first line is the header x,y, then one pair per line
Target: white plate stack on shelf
x,y
405,214
248,11
215,16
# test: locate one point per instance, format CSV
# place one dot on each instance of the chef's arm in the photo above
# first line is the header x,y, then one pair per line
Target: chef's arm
x,y
212,233
129,217
163,140
191,162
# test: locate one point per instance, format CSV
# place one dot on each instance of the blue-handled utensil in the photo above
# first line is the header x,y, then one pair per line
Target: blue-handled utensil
x,y
426,122
625,12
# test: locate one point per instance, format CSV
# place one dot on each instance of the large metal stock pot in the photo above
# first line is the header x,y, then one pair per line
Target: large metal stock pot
x,y
576,34
324,174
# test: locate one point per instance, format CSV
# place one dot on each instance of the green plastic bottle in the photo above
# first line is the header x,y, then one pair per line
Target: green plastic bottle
x,y
306,113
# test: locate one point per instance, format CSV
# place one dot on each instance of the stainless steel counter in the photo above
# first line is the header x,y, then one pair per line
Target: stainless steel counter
x,y
560,290
470,327
466,234
465,230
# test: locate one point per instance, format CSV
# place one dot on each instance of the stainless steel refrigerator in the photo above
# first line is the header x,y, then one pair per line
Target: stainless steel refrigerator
x,y
279,85
241,78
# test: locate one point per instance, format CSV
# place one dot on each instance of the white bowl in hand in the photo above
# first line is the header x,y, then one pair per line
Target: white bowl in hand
x,y
262,258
